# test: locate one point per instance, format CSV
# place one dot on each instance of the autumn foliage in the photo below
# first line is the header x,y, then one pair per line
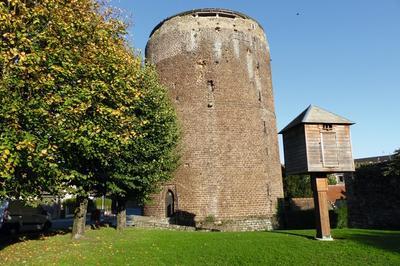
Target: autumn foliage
x,y
79,112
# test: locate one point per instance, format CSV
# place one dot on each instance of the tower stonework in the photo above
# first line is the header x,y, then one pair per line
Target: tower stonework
x,y
216,66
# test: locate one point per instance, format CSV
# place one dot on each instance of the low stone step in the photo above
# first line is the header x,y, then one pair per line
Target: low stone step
x,y
154,222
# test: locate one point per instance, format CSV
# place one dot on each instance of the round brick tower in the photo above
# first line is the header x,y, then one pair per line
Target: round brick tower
x,y
215,63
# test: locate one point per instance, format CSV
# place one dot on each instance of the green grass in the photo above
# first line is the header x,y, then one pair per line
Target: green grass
x,y
157,247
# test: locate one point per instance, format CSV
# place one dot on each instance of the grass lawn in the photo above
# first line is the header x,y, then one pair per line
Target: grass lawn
x,y
158,247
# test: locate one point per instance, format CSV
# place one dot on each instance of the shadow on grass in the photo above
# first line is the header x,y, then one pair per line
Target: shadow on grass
x,y
295,233
385,240
7,240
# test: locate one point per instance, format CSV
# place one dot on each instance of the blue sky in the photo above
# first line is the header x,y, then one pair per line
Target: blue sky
x,y
341,55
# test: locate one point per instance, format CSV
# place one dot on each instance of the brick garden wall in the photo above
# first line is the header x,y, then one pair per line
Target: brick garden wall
x,y
373,199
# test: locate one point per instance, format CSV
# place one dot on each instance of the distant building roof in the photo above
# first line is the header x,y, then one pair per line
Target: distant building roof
x,y
336,192
373,160
316,115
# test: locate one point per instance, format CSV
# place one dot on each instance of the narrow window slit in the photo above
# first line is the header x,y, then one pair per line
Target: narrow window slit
x,y
224,15
211,88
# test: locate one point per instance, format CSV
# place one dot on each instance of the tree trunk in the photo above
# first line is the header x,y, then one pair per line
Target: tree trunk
x,y
78,229
121,214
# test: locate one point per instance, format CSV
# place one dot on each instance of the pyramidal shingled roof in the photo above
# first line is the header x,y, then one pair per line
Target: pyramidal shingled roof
x,y
316,115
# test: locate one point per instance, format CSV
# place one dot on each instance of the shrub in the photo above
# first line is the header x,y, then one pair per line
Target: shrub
x,y
341,212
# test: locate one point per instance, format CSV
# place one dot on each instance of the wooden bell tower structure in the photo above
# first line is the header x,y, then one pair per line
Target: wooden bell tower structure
x,y
317,142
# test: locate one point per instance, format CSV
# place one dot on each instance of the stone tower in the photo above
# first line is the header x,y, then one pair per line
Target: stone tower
x,y
215,63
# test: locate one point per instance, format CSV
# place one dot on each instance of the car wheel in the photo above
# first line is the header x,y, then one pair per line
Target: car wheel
x,y
46,226
13,229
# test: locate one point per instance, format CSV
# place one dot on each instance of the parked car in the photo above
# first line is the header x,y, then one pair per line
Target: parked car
x,y
16,216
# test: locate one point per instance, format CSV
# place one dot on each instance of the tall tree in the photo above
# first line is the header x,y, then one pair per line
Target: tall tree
x,y
393,168
74,103
147,160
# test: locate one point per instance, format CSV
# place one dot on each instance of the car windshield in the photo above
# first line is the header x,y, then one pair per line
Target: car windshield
x,y
3,206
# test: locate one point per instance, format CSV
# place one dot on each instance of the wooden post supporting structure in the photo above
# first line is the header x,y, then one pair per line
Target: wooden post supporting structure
x,y
320,189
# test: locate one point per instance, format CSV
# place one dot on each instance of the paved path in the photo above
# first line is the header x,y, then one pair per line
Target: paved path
x,y
66,223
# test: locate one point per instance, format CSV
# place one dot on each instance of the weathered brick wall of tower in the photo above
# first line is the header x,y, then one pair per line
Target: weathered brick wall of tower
x,y
215,64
